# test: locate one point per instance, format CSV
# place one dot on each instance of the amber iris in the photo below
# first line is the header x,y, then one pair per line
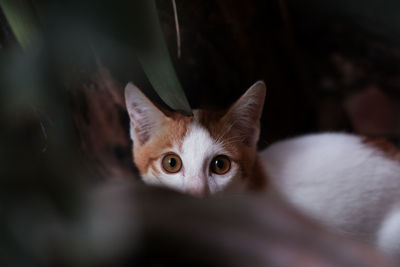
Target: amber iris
x,y
171,163
220,164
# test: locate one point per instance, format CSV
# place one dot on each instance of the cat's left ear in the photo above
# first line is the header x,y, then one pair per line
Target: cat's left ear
x,y
146,118
244,115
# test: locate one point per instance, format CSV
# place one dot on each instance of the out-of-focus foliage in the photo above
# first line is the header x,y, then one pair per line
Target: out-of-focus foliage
x,y
19,14
43,180
75,30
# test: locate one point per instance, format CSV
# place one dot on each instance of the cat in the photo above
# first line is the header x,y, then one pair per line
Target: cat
x,y
202,154
346,182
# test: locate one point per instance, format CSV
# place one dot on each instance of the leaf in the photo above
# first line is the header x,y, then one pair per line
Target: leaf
x,y
134,23
158,67
20,16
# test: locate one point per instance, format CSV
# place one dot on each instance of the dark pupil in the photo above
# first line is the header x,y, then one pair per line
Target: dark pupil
x,y
220,164
172,162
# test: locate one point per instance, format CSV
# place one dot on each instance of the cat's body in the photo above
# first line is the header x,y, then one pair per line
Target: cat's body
x,y
348,183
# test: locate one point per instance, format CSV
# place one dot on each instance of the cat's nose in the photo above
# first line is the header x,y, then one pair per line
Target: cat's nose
x,y
197,191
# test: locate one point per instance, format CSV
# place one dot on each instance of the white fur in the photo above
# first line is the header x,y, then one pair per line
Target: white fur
x,y
341,182
197,151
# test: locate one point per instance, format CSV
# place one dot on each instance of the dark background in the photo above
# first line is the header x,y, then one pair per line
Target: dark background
x,y
328,66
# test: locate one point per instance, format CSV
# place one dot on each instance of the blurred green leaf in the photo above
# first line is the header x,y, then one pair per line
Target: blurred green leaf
x,y
136,23
158,67
20,16
133,23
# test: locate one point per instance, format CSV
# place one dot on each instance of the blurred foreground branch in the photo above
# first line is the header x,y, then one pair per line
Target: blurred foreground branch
x,y
131,225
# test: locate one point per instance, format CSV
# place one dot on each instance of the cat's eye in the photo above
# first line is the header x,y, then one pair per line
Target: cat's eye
x,y
171,163
220,165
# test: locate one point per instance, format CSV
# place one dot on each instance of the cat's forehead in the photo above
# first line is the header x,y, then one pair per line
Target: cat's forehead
x,y
179,125
212,122
205,134
204,127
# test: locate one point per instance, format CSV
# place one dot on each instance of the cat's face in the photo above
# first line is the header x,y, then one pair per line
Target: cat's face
x,y
202,154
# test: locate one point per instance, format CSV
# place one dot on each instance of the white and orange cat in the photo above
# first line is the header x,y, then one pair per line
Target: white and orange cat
x,y
347,182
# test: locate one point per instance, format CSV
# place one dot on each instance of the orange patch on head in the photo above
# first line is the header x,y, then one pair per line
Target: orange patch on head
x,y
383,145
172,132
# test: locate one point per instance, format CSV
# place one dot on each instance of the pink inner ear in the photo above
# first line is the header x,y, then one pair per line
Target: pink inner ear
x,y
247,130
138,123
144,115
245,114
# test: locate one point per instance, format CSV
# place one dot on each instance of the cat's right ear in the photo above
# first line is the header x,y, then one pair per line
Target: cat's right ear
x,y
146,118
244,115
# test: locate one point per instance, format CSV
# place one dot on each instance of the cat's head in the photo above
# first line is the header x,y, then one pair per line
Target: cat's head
x,y
202,154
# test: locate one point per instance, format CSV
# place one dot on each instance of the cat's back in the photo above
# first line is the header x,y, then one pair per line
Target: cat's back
x,y
333,155
344,180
